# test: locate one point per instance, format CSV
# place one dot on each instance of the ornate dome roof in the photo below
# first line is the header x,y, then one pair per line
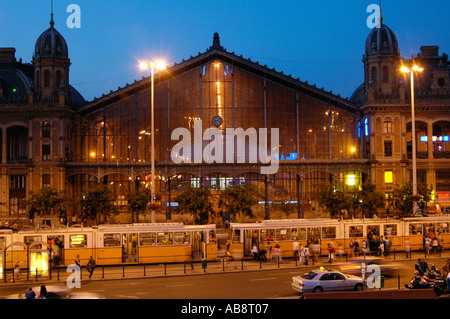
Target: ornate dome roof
x,y
381,40
51,44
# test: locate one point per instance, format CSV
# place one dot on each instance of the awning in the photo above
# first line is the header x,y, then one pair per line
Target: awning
x,y
443,202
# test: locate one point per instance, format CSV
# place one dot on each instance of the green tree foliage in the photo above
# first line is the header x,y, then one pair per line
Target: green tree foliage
x,y
197,201
241,199
332,199
47,202
140,201
403,202
97,202
371,199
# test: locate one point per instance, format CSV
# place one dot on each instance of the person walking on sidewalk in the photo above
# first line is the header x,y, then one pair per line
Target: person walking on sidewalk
x,y
91,266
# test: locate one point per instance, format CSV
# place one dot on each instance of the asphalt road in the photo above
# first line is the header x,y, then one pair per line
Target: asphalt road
x,y
266,284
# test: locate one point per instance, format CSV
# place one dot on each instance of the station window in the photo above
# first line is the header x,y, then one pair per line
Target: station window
x,y
111,240
147,239
236,236
78,241
388,177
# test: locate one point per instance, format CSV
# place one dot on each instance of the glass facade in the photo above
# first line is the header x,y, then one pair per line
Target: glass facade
x,y
312,128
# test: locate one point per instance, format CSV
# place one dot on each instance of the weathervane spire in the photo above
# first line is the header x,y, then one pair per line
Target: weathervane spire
x,y
52,23
381,14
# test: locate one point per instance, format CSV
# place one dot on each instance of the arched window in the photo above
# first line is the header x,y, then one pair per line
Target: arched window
x,y
385,74
388,125
374,75
46,129
46,78
58,78
366,127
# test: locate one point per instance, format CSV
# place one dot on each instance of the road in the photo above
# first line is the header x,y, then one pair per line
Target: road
x,y
266,284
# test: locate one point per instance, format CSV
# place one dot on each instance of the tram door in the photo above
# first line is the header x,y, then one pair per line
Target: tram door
x,y
129,248
198,243
250,239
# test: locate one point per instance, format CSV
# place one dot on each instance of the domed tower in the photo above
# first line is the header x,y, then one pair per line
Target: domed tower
x,y
381,61
51,65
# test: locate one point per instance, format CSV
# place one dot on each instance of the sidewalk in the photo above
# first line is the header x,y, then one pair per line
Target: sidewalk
x,y
223,266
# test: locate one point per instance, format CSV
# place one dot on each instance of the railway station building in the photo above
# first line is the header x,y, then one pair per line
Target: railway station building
x,y
51,136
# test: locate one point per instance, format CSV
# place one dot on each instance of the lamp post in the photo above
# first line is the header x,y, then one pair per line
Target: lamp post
x,y
404,69
160,65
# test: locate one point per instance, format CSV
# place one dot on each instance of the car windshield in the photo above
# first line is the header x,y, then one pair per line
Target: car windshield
x,y
309,275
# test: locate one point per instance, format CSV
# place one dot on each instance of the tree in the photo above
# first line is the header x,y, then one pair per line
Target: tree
x,y
403,200
241,199
371,199
140,201
47,202
97,202
198,201
332,199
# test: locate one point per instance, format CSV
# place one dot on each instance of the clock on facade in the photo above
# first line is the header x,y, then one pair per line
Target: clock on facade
x,y
217,121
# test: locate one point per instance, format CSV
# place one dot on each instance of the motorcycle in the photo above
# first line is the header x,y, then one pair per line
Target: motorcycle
x,y
439,287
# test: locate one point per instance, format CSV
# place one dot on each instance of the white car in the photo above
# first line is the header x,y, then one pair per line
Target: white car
x,y
326,280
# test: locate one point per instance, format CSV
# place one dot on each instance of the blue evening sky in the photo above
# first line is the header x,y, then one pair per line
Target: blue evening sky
x,y
320,41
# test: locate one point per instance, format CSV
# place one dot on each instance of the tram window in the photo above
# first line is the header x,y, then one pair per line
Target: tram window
x,y
165,238
111,240
313,235
267,234
390,230
78,241
3,241
298,234
429,229
147,239
31,239
441,228
236,236
283,234
356,231
182,238
56,240
212,236
415,229
328,232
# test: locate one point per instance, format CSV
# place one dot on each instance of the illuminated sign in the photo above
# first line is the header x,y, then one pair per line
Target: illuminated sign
x,y
443,195
39,262
444,138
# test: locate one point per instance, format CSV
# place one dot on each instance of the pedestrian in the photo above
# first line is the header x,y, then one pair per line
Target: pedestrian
x,y
78,261
91,266
381,248
43,294
301,255
331,252
352,248
387,246
30,294
296,245
418,267
17,270
448,282
407,249
306,252
255,251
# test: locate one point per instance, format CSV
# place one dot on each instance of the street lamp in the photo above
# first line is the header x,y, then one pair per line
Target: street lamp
x,y
404,69
160,65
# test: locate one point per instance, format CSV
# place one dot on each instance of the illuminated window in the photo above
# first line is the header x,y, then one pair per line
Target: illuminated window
x,y
366,127
388,125
388,177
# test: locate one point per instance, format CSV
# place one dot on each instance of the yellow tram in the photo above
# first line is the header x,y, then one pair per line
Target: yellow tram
x,y
109,244
403,232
